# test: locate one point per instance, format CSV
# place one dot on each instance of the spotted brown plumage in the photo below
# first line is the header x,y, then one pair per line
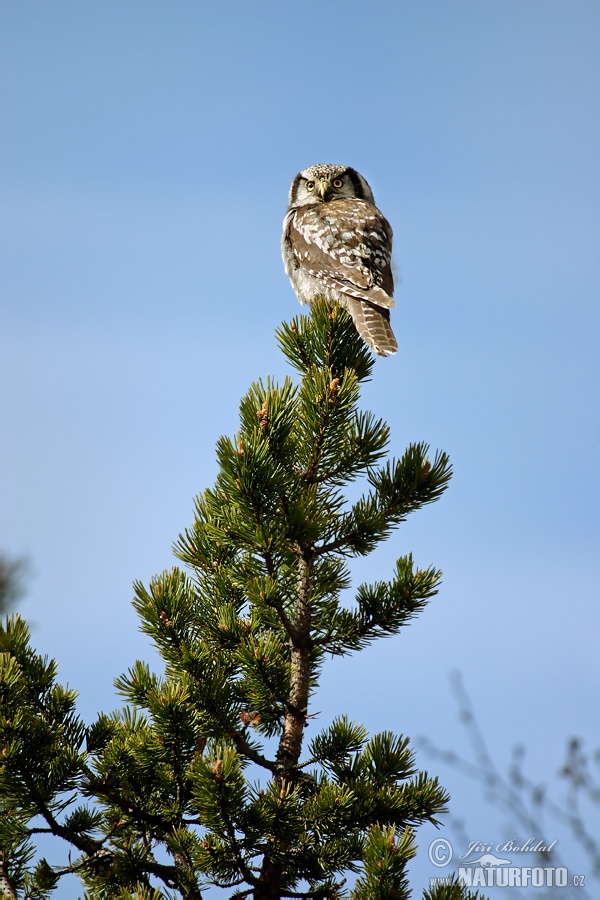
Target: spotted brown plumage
x,y
336,244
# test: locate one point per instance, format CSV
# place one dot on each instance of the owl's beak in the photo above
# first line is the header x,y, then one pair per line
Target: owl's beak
x,y
323,188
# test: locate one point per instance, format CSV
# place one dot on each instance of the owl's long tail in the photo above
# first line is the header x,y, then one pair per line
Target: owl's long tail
x,y
373,325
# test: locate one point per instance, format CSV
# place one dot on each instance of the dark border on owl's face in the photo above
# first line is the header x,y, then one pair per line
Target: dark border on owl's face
x,y
357,183
294,189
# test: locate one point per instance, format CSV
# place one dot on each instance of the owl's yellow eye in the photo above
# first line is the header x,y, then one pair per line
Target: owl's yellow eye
x,y
310,185
338,182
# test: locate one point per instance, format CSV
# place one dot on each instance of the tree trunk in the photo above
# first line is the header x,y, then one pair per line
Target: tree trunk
x,y
290,744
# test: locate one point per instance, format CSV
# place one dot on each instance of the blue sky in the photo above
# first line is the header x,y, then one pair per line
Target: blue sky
x,y
147,152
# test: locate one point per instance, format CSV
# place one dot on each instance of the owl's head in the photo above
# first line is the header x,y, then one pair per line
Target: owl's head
x,y
326,182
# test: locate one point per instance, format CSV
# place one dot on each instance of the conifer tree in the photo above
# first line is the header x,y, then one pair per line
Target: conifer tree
x,y
207,775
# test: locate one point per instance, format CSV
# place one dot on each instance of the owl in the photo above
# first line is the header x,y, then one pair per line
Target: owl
x,y
336,244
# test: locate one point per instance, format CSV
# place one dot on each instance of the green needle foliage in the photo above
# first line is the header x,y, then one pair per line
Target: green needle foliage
x,y
204,777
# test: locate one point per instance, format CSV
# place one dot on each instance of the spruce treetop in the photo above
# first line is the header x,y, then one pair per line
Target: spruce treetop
x,y
206,776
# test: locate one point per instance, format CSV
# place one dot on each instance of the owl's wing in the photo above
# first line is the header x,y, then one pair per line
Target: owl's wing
x,y
346,244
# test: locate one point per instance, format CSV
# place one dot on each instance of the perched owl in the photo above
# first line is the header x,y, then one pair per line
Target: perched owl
x,y
336,244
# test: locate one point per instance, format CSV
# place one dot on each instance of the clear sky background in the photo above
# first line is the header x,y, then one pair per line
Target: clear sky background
x,y
147,150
